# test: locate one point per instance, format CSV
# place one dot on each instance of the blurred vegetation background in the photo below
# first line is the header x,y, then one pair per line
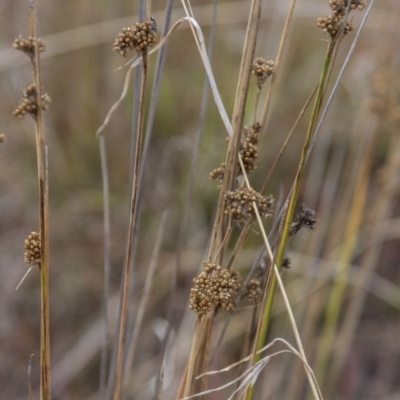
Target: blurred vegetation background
x,y
78,72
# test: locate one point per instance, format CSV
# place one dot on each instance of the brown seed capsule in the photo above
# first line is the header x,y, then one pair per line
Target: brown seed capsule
x,y
139,37
32,247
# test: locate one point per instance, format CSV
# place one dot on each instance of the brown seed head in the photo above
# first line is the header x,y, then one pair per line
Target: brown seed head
x,y
262,69
339,6
239,204
218,173
32,247
29,103
249,147
3,138
140,37
215,286
248,152
27,45
253,291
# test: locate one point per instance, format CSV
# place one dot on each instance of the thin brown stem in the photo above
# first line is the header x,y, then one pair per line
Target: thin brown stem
x,y
278,60
45,374
132,223
144,299
287,140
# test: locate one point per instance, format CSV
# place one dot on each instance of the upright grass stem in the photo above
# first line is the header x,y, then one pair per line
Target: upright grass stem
x,y
132,223
107,236
269,293
45,370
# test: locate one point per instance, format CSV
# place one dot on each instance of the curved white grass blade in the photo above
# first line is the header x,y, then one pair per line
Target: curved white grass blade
x,y
213,85
252,373
266,347
250,370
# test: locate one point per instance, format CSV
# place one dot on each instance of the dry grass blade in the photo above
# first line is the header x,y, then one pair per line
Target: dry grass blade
x,y
23,278
310,375
144,300
107,251
132,224
252,373
278,61
29,377
287,140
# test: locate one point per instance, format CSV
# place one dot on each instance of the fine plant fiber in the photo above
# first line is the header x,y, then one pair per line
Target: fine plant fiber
x,y
107,237
278,60
144,300
137,82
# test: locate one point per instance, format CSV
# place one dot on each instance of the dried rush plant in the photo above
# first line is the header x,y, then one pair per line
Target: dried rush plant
x,y
37,243
219,286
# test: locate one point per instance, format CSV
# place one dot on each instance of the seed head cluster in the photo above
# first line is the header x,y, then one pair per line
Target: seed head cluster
x,y
3,138
248,147
218,173
27,45
137,37
215,286
32,249
262,69
239,204
339,6
305,219
253,291
333,22
29,103
248,152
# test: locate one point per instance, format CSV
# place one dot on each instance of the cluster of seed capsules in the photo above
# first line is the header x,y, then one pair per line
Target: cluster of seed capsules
x,y
32,247
249,147
138,37
262,69
333,22
27,45
29,103
239,204
248,151
215,286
